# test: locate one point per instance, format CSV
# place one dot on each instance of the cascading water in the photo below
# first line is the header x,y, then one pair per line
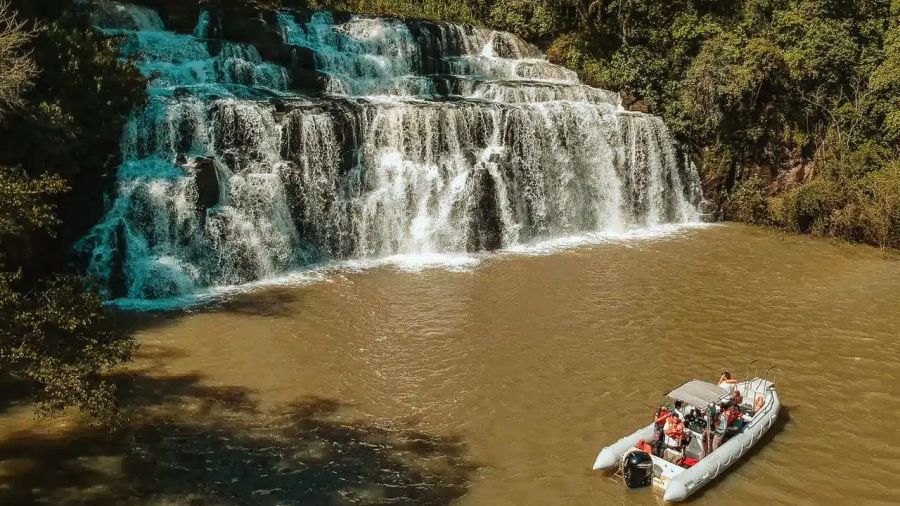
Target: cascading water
x,y
422,138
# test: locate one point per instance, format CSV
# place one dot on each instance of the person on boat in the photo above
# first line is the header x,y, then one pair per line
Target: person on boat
x,y
735,419
758,405
674,431
659,422
720,427
708,431
726,381
737,398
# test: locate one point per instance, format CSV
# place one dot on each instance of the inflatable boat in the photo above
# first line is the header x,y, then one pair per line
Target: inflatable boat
x,y
633,458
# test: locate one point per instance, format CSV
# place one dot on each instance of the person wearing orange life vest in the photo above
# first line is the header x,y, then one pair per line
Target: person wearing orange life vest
x,y
736,419
674,431
662,414
734,413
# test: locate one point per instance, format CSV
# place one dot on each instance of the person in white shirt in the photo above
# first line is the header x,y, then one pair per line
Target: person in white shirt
x,y
727,382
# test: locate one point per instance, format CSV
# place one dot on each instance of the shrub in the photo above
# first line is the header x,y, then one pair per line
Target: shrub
x,y
879,206
783,211
868,157
814,203
749,202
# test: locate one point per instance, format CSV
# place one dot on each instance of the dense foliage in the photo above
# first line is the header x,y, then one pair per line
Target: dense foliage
x,y
55,82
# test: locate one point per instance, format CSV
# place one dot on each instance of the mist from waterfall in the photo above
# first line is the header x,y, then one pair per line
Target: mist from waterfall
x,y
424,138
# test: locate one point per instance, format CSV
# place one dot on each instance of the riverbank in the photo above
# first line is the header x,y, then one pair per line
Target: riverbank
x,y
495,384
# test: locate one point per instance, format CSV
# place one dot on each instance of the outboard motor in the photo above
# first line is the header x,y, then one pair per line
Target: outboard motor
x,y
637,468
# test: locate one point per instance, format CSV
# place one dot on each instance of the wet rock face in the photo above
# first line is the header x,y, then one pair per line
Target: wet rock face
x,y
277,139
300,62
485,225
207,180
631,103
256,28
118,283
178,15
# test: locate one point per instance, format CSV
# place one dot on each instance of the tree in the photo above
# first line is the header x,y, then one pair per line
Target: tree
x,y
57,338
16,68
54,333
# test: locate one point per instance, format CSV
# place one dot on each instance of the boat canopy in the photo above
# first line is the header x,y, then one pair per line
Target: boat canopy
x,y
697,393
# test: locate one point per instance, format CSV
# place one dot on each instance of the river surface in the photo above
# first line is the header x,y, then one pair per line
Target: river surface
x,y
498,382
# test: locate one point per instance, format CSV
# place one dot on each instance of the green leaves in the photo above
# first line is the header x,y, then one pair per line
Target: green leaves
x,y
58,337
886,77
799,100
792,108
817,51
26,204
530,19
749,203
54,333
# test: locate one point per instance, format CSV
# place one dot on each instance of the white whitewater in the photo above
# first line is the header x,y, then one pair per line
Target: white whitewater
x,y
427,138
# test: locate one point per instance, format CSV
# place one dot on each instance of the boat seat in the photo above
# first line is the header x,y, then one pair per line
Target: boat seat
x,y
670,455
695,447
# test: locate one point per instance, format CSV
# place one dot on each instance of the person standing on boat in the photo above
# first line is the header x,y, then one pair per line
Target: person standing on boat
x,y
736,420
708,431
674,431
659,422
719,429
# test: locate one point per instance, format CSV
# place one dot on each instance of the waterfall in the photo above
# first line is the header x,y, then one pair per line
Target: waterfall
x,y
373,137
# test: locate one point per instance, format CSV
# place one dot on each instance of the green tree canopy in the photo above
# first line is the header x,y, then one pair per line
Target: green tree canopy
x,y
54,333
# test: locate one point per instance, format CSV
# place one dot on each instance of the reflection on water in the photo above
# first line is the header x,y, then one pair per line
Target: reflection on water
x,y
498,384
192,443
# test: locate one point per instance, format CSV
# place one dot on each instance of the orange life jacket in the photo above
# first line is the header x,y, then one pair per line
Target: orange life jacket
x,y
676,429
644,446
663,415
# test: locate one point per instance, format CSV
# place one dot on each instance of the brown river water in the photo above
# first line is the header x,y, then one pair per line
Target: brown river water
x,y
494,384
